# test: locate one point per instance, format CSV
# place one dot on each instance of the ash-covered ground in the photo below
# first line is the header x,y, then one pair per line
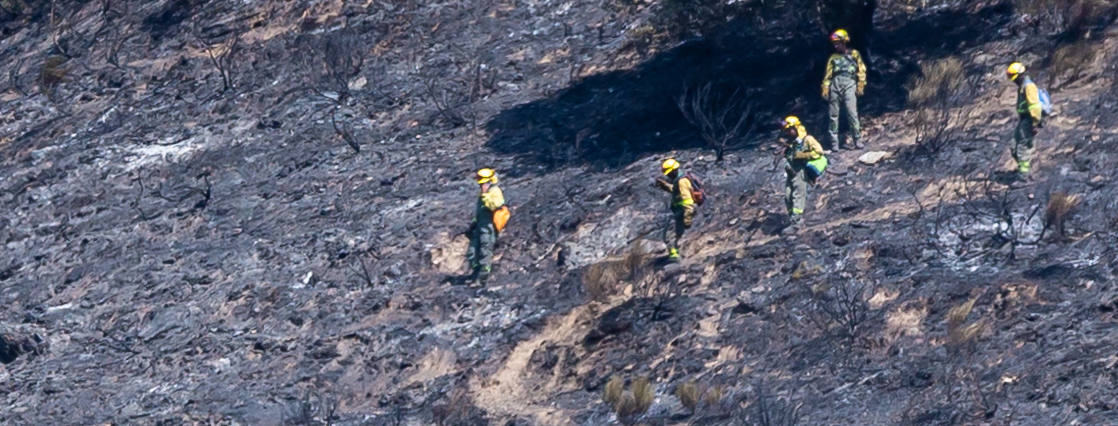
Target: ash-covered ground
x,y
252,212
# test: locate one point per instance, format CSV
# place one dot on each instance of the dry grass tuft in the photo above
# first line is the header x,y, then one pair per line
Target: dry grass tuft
x,y
53,71
688,394
1060,207
631,404
959,333
935,94
602,280
805,269
644,394
1069,63
696,397
612,393
713,396
937,82
957,315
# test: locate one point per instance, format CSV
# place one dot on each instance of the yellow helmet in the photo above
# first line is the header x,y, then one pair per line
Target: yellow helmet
x,y
791,121
486,175
840,35
1015,70
669,165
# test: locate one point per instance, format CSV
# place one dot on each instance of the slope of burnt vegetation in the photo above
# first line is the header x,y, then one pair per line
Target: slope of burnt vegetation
x,y
253,212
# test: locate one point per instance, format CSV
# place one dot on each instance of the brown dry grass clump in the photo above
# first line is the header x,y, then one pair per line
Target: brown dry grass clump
x,y
602,280
631,404
959,333
53,71
935,94
1069,63
938,80
695,397
1060,207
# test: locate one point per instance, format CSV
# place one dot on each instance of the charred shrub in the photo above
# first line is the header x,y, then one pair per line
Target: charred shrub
x,y
770,411
338,57
936,93
684,18
722,115
13,9
458,409
841,307
312,409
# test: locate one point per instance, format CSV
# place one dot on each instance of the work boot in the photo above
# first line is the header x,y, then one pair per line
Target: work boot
x,y
482,276
795,222
1024,171
673,255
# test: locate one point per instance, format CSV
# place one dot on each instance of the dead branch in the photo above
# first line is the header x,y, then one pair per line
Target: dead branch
x,y
721,120
223,60
344,132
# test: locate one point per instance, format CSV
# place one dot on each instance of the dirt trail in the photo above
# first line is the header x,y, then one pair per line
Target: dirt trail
x,y
508,391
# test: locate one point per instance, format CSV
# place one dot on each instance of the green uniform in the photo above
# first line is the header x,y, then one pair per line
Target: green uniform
x,y
846,75
798,152
683,213
483,235
1030,113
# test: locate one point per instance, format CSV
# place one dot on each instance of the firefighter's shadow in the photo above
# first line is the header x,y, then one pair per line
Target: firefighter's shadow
x,y
772,224
608,120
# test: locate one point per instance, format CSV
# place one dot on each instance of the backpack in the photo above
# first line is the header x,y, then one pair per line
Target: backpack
x,y
1045,98
697,193
1045,101
501,218
816,167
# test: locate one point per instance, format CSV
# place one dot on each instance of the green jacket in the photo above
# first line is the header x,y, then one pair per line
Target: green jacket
x,y
489,200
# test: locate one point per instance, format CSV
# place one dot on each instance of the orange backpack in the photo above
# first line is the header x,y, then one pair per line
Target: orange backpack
x,y
501,218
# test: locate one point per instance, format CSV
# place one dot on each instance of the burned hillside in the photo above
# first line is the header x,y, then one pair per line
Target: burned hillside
x,y
254,212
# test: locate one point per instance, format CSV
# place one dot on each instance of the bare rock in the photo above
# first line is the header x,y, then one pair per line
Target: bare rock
x,y
17,342
873,157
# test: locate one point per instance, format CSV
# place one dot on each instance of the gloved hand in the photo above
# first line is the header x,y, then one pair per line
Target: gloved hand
x,y
861,88
662,184
1038,124
826,92
688,216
